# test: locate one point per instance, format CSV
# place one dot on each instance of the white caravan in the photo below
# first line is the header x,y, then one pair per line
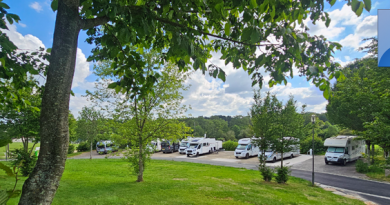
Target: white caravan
x,y
343,149
203,145
185,143
246,148
272,156
154,145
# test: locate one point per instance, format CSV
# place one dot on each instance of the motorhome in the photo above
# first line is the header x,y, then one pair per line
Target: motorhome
x,y
273,156
154,146
246,148
106,146
202,146
185,143
170,146
343,149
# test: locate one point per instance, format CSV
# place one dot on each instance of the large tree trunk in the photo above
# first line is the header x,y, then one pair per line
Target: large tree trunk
x,y
43,182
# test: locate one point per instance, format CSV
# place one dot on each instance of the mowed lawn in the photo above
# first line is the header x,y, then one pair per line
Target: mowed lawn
x,y
108,181
15,145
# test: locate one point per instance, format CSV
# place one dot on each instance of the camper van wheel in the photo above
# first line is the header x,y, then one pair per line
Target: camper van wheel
x,y
188,155
344,162
236,157
247,156
197,154
292,156
326,162
274,160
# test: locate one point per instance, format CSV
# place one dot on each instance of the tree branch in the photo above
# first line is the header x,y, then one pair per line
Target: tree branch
x,y
90,23
209,34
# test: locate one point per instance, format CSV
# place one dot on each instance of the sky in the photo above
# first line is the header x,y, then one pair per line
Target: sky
x,y
207,96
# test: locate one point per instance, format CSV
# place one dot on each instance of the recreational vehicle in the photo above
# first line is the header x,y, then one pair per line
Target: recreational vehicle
x,y
185,143
154,146
202,146
343,149
105,147
272,156
246,148
170,146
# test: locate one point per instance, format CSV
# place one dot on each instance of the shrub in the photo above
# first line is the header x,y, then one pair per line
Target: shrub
x,y
267,173
70,149
83,146
229,145
307,144
28,162
361,166
282,174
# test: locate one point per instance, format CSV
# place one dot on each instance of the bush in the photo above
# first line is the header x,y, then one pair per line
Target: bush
x,y
361,166
307,144
70,149
28,162
83,146
282,174
267,173
229,145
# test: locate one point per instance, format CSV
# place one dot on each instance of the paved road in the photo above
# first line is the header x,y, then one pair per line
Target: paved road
x,y
301,167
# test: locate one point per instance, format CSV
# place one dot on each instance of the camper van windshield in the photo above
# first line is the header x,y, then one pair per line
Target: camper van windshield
x,y
336,149
165,144
100,146
183,144
241,146
193,145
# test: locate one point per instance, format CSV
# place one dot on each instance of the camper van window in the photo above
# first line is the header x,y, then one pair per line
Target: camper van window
x,y
336,149
193,146
183,144
164,144
101,146
241,147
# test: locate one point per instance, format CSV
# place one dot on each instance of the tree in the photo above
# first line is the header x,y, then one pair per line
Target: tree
x,y
263,118
230,136
88,125
72,127
245,133
290,128
179,30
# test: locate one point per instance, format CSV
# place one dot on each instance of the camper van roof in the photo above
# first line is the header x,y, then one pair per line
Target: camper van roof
x,y
339,141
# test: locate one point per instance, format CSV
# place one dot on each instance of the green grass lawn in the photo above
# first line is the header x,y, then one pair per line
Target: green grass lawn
x,y
107,181
15,145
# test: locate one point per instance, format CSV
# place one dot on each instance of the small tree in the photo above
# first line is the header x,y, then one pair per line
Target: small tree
x,y
88,125
263,118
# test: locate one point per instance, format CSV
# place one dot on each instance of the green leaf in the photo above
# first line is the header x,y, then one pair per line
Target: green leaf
x,y
326,93
54,5
227,29
118,89
246,34
9,18
215,73
255,36
48,50
112,85
359,11
273,12
367,5
4,5
222,75
170,14
254,3
7,170
332,2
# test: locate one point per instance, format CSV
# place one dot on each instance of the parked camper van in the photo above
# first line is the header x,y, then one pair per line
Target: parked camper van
x,y
343,149
106,146
272,156
169,146
185,143
154,145
202,146
246,148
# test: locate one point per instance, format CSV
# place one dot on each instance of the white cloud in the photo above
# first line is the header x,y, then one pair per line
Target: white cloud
x,y
22,24
26,42
82,69
36,6
365,29
76,103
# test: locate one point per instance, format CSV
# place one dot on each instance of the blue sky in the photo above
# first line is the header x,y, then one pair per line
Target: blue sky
x,y
207,96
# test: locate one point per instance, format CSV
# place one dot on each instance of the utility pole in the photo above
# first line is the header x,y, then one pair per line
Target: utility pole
x,y
313,120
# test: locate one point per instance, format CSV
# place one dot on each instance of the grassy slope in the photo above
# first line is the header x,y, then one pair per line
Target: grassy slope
x,y
107,181
15,145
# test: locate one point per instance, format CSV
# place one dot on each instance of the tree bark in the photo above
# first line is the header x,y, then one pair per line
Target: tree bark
x,y
140,164
43,182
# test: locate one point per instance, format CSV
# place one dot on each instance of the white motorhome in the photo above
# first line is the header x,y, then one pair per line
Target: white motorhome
x,y
184,144
154,145
343,149
246,148
202,146
272,156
